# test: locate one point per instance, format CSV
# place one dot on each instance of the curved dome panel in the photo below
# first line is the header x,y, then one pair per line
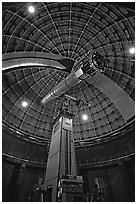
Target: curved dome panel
x,y
71,30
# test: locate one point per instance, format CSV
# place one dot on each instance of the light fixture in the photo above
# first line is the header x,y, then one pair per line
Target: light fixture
x,y
31,9
84,117
132,50
24,104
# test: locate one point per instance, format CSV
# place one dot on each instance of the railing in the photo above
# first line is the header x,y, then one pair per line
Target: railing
x,y
19,160
107,137
26,137
106,162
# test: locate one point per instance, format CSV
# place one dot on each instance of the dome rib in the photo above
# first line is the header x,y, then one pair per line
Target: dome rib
x,y
70,31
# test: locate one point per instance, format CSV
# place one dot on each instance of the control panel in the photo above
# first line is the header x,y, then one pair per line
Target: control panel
x,y
68,185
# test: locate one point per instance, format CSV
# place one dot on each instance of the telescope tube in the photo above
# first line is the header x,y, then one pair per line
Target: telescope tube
x,y
63,86
95,64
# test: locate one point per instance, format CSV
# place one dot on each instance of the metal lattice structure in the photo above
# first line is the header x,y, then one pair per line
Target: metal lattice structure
x,y
71,30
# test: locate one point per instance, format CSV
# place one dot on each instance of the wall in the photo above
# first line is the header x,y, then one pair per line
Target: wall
x,y
7,170
24,162
110,150
112,162
118,181
22,148
118,175
18,184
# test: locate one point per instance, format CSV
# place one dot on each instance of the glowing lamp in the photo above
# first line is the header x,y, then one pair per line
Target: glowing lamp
x,y
31,9
132,50
24,104
84,117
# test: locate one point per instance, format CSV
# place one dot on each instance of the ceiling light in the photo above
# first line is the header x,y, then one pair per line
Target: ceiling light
x,y
84,117
31,9
24,104
132,50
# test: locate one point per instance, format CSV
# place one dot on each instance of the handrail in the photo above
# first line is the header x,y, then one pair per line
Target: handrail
x,y
105,161
24,160
114,135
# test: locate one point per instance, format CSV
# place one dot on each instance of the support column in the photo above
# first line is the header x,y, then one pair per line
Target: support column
x,y
61,165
